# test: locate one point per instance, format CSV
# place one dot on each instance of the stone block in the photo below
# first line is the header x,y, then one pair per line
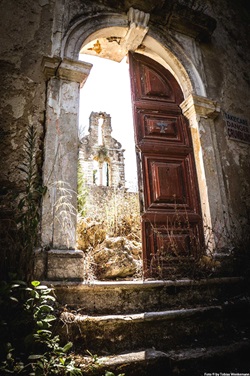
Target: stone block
x,y
65,265
40,262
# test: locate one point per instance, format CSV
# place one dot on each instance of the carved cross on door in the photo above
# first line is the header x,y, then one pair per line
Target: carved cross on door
x,y
162,126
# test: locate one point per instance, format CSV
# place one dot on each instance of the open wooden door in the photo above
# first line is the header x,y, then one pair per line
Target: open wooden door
x,y
170,209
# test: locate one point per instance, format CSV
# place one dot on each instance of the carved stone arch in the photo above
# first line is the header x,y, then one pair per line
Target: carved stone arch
x,y
66,74
83,29
162,48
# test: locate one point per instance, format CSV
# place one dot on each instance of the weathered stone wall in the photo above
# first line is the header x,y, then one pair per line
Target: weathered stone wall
x,y
112,174
33,29
25,38
227,66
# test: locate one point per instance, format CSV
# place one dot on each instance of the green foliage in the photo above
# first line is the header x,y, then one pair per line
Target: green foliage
x,y
117,210
28,215
28,346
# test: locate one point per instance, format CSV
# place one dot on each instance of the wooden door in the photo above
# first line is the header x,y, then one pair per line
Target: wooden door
x,y
169,198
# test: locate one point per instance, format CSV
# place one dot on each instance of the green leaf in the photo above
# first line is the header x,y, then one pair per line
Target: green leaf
x,y
62,361
67,347
35,283
34,357
49,297
15,285
45,308
14,299
44,331
41,287
49,318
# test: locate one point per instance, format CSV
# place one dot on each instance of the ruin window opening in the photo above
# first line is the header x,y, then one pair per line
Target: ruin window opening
x,y
100,131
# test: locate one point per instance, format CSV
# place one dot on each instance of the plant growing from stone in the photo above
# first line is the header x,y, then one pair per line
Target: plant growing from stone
x,y
28,210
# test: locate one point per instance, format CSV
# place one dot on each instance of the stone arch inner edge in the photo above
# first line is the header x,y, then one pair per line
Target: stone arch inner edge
x,y
192,83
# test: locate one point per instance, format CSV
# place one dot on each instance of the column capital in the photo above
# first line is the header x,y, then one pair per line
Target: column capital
x,y
67,69
74,70
50,65
200,106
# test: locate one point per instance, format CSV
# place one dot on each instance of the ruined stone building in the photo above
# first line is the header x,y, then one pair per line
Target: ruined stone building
x,y
189,64
101,156
189,70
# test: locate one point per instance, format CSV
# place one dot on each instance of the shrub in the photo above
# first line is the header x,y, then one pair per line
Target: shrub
x,y
28,346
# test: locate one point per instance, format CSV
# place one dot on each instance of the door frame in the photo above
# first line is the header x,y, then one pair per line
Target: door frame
x,y
65,76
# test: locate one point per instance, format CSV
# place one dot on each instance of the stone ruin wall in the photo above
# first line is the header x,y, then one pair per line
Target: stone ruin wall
x,y
88,149
33,29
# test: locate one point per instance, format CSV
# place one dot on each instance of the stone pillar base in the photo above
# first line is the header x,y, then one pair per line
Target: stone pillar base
x,y
59,265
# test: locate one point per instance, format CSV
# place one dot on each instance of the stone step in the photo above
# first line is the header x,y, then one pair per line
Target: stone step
x,y
123,297
164,330
199,361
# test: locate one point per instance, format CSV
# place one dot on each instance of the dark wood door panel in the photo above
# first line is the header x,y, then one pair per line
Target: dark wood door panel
x,y
167,182
169,196
168,246
153,82
161,126
172,240
173,216
154,85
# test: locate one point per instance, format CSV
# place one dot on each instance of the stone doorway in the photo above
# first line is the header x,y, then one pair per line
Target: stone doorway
x,y
108,226
66,74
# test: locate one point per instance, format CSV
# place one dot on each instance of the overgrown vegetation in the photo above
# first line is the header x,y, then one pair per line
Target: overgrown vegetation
x,y
20,230
111,222
28,345
28,210
28,317
115,210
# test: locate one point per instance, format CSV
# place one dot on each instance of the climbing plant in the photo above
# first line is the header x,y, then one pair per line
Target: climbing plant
x,y
28,209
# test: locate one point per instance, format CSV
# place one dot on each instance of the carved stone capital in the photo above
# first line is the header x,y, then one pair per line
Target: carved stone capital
x,y
199,106
67,69
74,70
50,65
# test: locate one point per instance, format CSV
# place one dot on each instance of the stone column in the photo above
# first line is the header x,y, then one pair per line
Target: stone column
x,y
59,207
201,113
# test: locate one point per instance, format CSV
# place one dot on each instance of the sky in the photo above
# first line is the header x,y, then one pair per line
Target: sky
x,y
107,89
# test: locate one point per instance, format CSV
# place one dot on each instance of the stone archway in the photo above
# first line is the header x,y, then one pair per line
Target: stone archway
x,y
65,76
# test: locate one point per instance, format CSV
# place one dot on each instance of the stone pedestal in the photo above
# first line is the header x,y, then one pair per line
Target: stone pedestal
x,y
59,265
